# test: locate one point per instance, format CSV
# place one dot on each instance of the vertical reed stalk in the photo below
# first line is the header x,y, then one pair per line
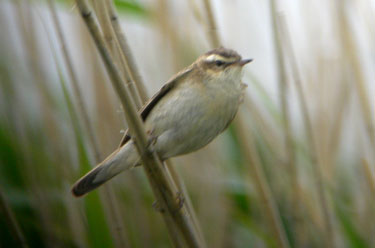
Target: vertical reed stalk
x,y
368,221
76,225
252,159
212,30
37,77
103,11
126,52
110,201
285,115
248,150
284,35
369,176
349,44
189,205
268,132
131,69
160,184
74,79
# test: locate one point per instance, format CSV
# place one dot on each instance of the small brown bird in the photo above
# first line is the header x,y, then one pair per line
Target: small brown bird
x,y
189,111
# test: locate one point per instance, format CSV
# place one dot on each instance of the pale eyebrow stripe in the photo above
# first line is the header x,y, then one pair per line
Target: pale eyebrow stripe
x,y
215,57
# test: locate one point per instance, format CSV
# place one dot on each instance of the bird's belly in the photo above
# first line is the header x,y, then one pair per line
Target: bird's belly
x,y
188,121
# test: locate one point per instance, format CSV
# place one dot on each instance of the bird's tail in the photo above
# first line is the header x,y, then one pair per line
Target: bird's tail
x,y
124,158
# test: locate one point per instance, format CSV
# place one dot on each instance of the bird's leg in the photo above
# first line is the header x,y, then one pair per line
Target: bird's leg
x,y
150,143
157,207
179,200
152,139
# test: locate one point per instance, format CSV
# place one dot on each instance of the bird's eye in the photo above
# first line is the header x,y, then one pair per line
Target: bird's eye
x,y
219,62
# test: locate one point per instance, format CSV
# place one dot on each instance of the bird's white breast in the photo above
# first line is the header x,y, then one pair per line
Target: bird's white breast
x,y
192,115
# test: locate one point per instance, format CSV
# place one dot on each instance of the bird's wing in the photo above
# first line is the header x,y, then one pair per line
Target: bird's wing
x,y
146,109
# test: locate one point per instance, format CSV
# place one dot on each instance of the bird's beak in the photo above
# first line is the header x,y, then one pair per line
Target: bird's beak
x,y
244,62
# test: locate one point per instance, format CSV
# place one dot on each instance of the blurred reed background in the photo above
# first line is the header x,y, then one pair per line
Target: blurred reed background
x,y
299,159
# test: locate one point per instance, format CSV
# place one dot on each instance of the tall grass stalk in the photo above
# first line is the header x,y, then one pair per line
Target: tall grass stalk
x,y
285,43
249,152
357,70
283,88
161,186
370,179
78,231
132,76
39,200
109,199
131,69
103,11
268,131
211,24
126,55
45,143
252,159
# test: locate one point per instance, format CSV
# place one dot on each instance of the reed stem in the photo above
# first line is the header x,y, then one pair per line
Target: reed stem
x,y
160,184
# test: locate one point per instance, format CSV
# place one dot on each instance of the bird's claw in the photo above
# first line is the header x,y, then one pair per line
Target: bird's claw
x,y
151,141
180,200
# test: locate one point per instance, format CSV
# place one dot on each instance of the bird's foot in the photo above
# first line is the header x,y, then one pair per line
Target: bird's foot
x,y
151,141
180,200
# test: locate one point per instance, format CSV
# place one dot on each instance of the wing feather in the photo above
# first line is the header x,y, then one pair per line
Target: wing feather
x,y
147,108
